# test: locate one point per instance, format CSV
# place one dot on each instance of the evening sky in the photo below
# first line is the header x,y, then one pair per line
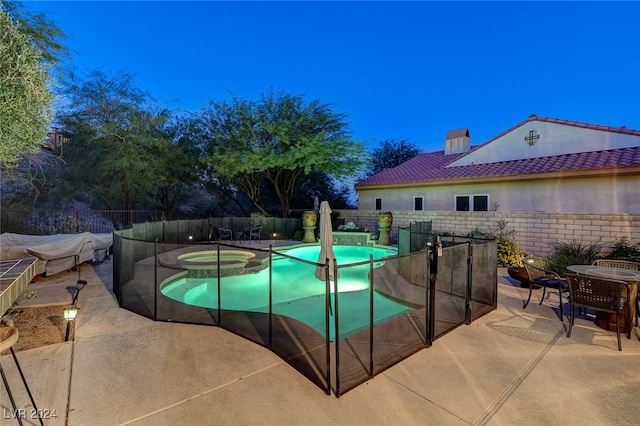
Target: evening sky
x,y
398,70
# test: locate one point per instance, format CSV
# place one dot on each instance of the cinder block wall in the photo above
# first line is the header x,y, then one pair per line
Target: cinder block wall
x,y
536,232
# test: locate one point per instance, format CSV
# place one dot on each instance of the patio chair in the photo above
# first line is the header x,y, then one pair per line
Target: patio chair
x,y
544,278
225,234
600,294
244,235
255,233
621,264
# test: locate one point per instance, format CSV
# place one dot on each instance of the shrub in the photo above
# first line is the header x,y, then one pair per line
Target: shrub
x,y
508,251
65,225
558,264
580,252
625,249
571,253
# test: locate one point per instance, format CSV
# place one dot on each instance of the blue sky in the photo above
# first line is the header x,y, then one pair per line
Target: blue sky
x,y
399,70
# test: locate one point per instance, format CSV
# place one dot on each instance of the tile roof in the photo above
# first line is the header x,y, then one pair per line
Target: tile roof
x,y
432,166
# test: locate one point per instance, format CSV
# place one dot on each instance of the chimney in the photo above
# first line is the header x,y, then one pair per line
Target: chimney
x,y
457,141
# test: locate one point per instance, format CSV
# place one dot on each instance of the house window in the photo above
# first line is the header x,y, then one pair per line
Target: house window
x,y
480,203
418,203
378,203
473,203
462,203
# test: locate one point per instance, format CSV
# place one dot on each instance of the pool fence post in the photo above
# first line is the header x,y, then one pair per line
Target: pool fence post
x,y
426,293
433,279
155,279
327,325
270,297
370,315
336,318
469,283
218,275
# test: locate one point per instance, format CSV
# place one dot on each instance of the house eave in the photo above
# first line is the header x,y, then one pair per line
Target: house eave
x,y
559,174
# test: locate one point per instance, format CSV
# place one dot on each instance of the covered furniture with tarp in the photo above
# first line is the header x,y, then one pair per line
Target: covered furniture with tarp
x,y
57,253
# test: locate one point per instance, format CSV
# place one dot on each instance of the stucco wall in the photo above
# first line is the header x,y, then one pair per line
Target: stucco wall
x,y
610,195
536,232
554,139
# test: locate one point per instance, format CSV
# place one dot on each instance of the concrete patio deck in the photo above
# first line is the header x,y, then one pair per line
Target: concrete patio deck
x,y
512,366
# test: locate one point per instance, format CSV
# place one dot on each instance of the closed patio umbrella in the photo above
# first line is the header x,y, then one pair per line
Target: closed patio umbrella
x,y
326,243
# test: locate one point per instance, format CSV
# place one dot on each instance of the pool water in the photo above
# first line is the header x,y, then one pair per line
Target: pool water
x,y
296,291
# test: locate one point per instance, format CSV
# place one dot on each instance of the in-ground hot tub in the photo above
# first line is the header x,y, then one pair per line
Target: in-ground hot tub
x,y
205,263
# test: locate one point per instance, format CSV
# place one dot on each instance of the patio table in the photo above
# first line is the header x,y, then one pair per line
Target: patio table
x,y
607,320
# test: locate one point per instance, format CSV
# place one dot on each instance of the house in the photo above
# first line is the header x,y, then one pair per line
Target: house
x,y
539,165
55,139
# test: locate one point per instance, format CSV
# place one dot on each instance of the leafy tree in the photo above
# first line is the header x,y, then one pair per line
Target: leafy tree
x,y
25,99
274,142
223,197
120,148
318,184
42,33
179,157
391,153
30,45
321,185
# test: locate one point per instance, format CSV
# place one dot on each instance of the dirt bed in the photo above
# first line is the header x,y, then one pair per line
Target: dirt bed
x,y
38,326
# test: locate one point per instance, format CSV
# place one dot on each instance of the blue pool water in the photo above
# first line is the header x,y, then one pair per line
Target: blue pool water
x,y
296,291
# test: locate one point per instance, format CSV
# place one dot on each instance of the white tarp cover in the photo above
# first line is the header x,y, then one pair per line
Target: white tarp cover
x,y
57,252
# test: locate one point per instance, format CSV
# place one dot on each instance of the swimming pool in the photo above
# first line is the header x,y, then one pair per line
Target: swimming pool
x,y
296,292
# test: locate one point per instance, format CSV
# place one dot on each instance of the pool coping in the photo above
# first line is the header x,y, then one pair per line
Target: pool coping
x,y
257,261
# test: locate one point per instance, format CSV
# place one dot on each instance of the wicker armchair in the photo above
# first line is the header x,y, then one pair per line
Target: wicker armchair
x,y
539,276
621,264
599,294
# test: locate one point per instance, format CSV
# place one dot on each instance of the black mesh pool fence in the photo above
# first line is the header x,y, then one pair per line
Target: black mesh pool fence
x,y
337,334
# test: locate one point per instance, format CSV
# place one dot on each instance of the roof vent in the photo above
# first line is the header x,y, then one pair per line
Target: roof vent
x,y
457,141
